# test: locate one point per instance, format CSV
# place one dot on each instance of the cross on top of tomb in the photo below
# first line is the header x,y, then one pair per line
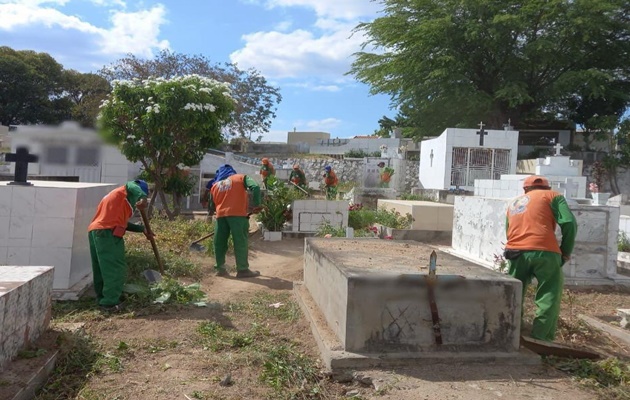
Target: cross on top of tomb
x,y
481,133
21,158
431,157
558,147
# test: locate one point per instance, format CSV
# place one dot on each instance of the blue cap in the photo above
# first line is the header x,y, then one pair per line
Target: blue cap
x,y
327,168
143,185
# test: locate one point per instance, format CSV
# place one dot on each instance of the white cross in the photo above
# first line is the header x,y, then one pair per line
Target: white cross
x,y
431,156
481,125
558,147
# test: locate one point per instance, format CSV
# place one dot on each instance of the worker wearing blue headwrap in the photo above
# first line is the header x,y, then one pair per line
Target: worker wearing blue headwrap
x,y
107,246
227,199
330,181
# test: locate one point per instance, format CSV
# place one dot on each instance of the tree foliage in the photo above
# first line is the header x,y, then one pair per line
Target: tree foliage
x,y
86,92
166,124
256,100
31,88
453,63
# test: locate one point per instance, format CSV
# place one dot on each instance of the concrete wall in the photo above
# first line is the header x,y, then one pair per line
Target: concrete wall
x,y
479,234
46,224
311,138
432,173
367,145
512,185
25,301
428,216
385,310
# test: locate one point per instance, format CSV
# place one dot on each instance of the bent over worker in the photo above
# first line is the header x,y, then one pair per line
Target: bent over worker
x,y
107,246
228,200
297,176
266,170
532,249
330,181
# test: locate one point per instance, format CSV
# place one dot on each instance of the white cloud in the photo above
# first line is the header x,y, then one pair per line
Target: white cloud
x,y
125,35
315,87
274,136
338,9
283,26
324,125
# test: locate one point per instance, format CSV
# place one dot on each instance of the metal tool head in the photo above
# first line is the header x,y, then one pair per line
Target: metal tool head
x,y
152,276
198,247
433,263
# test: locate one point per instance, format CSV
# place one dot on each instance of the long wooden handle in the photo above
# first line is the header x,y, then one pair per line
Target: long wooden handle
x,y
145,220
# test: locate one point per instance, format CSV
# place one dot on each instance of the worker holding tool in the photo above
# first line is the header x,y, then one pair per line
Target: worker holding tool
x,y
266,170
228,200
385,174
330,181
107,246
298,177
532,249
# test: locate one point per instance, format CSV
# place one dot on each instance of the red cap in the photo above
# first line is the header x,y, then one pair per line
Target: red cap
x,y
535,180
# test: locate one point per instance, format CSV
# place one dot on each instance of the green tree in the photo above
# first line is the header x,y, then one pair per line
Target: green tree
x,y
86,92
166,124
452,63
256,100
31,88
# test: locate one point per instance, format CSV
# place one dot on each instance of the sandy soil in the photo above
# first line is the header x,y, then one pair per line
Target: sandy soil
x,y
165,362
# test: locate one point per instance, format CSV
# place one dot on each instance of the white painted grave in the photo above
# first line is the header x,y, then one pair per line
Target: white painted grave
x,y
25,300
479,235
46,224
460,156
427,215
310,215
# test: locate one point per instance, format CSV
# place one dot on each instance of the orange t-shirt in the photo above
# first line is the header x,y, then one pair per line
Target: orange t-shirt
x,y
331,179
230,197
114,210
531,223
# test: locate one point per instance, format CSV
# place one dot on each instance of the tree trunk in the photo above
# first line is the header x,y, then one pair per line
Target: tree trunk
x,y
177,208
168,212
152,203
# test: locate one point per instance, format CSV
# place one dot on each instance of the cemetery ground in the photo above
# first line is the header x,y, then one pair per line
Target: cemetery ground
x,y
251,341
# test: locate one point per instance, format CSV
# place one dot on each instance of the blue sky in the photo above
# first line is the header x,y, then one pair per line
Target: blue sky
x,y
302,46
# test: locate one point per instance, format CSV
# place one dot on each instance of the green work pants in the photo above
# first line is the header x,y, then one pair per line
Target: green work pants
x,y
331,192
109,268
546,267
239,228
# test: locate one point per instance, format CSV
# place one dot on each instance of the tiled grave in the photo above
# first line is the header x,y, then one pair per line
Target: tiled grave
x,y
25,300
46,224
479,234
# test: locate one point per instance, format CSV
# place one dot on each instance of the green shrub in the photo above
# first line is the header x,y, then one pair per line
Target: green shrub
x,y
623,242
364,218
416,197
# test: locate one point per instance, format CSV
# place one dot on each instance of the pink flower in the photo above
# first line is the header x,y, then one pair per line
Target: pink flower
x,y
593,187
389,238
328,236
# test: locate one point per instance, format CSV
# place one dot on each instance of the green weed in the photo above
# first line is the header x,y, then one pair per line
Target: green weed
x,y
623,242
285,370
609,377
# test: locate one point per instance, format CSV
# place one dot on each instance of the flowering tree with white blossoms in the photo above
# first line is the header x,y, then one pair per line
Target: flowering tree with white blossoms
x,y
167,125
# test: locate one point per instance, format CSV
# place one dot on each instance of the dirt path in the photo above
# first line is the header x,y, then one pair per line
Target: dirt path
x,y
184,352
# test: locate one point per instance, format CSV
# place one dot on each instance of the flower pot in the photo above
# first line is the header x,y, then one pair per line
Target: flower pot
x,y
600,199
272,236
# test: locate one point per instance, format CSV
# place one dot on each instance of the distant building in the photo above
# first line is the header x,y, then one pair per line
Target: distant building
x,y
311,138
70,150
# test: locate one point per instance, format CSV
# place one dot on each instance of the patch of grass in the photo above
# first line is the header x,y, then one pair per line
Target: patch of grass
x,y
31,353
610,378
139,259
172,237
79,360
416,197
290,373
158,345
623,242
262,307
216,337
84,309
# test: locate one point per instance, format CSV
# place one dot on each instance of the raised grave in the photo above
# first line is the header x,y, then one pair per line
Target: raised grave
x,y
479,235
45,223
25,301
310,215
431,221
368,303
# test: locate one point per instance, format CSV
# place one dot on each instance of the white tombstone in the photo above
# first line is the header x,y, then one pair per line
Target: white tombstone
x,y
46,224
460,156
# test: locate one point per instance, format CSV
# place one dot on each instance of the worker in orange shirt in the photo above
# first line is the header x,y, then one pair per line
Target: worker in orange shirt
x,y
330,181
532,249
107,246
228,201
266,170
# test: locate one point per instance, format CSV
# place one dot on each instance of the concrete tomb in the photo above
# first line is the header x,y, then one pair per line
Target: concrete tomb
x,y
460,156
479,235
25,301
431,221
310,215
46,224
369,304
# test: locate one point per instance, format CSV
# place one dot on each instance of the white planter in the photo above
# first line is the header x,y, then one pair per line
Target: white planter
x,y
272,236
600,199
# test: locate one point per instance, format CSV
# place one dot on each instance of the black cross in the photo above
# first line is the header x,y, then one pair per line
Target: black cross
x,y
481,133
21,158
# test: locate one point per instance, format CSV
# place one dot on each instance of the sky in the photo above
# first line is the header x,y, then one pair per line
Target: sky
x,y
304,47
